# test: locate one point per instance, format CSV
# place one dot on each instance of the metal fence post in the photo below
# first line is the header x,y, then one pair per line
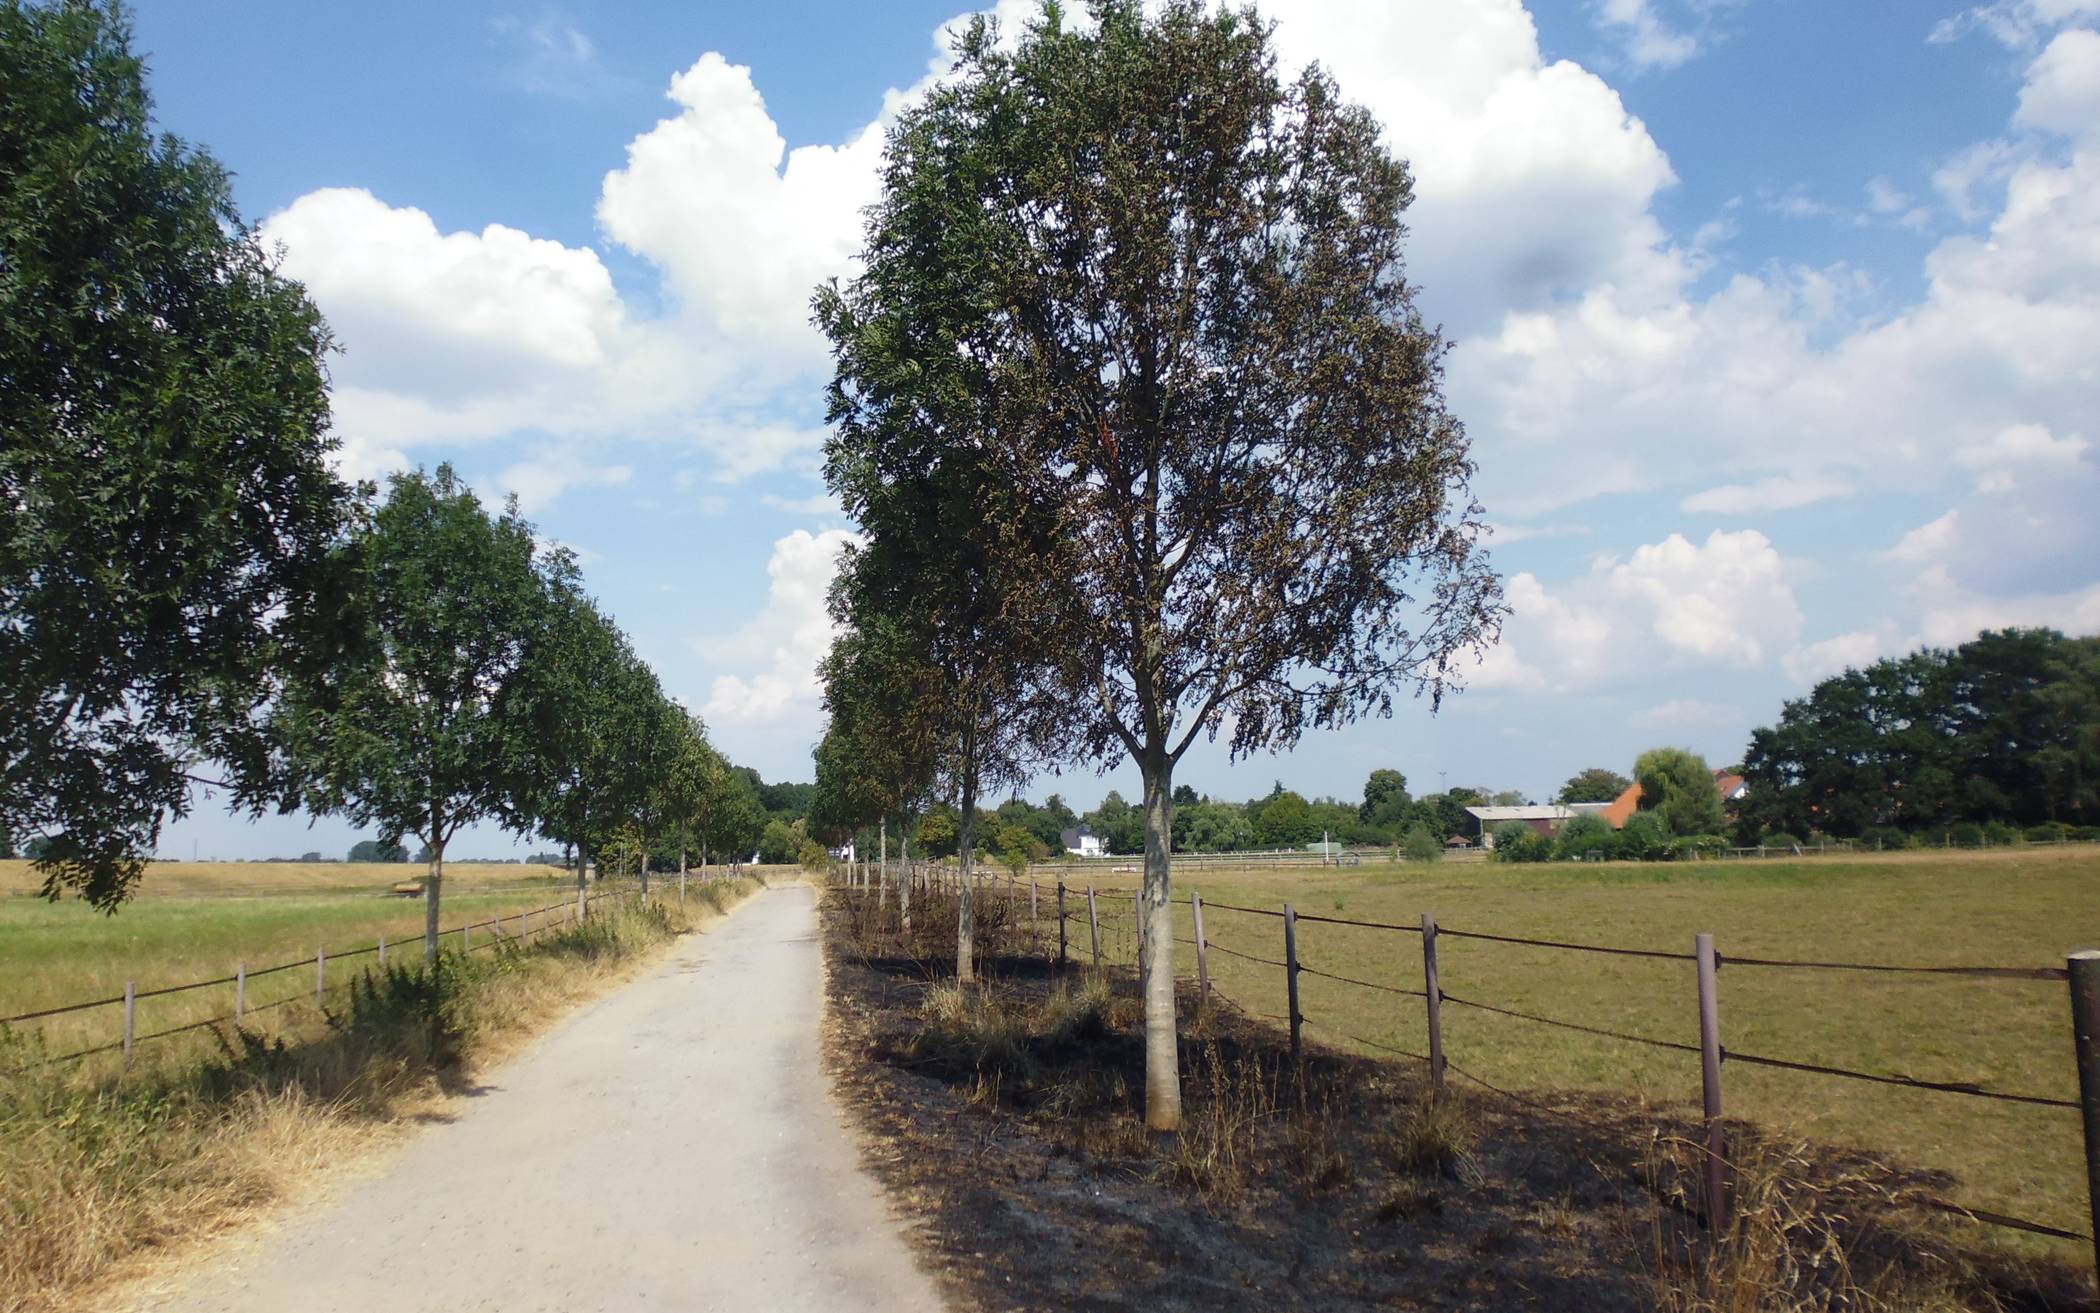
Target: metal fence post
x,y
1290,977
2085,1026
1710,1083
1202,949
1433,990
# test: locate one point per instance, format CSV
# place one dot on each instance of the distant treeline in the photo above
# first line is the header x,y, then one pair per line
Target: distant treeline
x,y
1995,739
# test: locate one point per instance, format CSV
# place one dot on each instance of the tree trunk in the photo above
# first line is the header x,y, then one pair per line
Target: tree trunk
x,y
583,881
882,878
681,847
965,906
904,886
645,865
433,887
1162,1059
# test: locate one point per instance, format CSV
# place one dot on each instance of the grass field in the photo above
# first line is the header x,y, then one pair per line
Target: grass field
x,y
195,922
2020,907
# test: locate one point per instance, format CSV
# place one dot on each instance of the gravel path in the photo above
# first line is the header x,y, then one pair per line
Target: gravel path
x,y
673,1146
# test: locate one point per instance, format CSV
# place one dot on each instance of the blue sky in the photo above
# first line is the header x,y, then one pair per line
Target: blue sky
x,y
1773,325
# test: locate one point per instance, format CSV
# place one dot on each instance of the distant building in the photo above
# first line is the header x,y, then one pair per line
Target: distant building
x,y
1081,841
1546,819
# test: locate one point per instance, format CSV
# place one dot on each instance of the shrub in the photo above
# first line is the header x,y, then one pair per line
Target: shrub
x,y
1965,834
2087,833
1585,835
1517,842
2049,832
1422,845
1884,838
1642,839
2000,833
1780,839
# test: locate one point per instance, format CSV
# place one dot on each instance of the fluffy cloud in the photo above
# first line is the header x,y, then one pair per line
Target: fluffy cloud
x,y
1725,602
1827,657
542,478
784,642
742,228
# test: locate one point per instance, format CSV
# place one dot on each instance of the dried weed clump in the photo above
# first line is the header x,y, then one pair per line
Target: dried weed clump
x,y
1797,1240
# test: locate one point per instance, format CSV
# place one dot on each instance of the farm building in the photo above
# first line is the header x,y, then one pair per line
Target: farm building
x,y
1546,819
1081,841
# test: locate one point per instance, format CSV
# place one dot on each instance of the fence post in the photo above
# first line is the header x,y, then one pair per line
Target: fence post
x,y
240,991
1432,988
1093,921
1710,1082
2085,1026
382,952
131,1016
1061,924
320,974
1290,975
1202,949
466,937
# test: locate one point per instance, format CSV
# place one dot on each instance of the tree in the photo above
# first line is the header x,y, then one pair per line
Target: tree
x,y
1422,844
377,850
1119,826
414,729
1595,784
1385,798
1175,284
583,702
1285,822
879,755
1677,786
937,834
1584,835
1184,796
164,436
1516,841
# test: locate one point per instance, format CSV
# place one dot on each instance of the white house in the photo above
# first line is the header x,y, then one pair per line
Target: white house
x,y
1081,841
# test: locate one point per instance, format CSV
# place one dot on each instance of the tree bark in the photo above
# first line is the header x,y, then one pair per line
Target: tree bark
x,y
583,881
965,906
882,878
433,887
904,886
645,865
1162,1056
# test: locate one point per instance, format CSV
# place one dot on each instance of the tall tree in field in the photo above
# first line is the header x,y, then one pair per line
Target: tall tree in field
x,y
1175,278
415,731
165,497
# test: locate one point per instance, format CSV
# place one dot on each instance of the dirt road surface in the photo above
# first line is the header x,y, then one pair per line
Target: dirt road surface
x,y
673,1146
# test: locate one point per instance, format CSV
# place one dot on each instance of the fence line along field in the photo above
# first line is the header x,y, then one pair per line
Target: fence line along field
x,y
190,926
2017,907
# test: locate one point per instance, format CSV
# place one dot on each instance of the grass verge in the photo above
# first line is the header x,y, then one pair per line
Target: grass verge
x,y
97,1167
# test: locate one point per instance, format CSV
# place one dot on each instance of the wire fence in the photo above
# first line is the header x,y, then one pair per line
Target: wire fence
x,y
1103,928
472,935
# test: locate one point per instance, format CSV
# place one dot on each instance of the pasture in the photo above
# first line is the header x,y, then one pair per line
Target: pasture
x,y
2018,907
194,922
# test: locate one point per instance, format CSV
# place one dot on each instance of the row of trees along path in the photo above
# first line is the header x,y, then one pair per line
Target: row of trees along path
x,y
1143,430
189,586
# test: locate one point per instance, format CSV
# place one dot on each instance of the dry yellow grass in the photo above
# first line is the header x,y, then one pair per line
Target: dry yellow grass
x,y
2020,907
106,1178
259,879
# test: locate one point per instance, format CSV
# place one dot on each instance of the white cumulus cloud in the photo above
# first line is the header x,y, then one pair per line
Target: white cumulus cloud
x,y
776,652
